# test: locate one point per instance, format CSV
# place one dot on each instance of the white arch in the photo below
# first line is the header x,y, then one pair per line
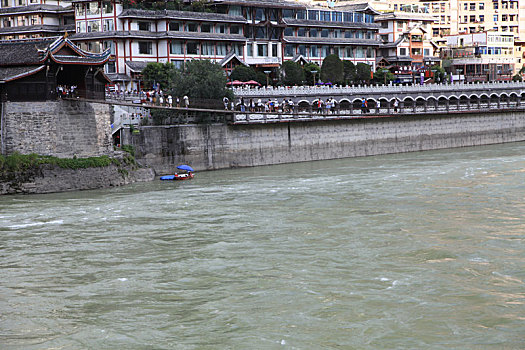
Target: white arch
x,y
463,95
408,98
432,97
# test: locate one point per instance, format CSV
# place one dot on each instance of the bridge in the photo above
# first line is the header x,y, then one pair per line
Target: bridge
x,y
412,98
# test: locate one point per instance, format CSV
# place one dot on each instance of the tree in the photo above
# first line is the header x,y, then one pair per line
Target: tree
x,y
292,73
439,74
383,76
155,73
243,73
308,75
349,72
363,72
332,69
202,79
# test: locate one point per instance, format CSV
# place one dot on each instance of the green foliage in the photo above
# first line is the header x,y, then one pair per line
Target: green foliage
x,y
243,73
363,72
383,76
332,70
308,75
165,74
292,73
517,77
260,77
439,74
129,149
349,72
17,162
201,79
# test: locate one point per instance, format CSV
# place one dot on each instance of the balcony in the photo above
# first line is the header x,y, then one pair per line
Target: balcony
x,y
263,60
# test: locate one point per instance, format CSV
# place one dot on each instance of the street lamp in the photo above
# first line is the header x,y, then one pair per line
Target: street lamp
x,y
385,71
314,72
267,72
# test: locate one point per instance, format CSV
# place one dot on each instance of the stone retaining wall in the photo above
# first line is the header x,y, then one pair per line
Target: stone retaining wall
x,y
217,146
57,128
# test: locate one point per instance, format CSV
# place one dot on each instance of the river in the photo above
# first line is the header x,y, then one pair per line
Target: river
x,y
408,251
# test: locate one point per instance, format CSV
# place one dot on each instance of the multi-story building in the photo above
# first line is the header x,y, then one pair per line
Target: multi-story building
x,y
485,56
21,19
407,47
258,33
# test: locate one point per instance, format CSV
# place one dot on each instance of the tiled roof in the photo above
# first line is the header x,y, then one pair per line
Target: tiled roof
x,y
331,41
35,8
23,52
136,66
118,77
159,35
41,28
231,55
263,3
197,16
310,23
12,73
355,7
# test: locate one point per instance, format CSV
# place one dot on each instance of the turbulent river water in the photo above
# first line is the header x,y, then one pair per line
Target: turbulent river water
x,y
408,251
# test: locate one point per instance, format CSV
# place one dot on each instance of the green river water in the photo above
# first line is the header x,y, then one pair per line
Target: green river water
x,y
408,251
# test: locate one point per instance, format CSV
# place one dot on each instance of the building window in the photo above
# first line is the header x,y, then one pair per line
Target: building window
x,y
220,28
495,18
262,50
235,29
482,18
274,50
472,6
191,27
107,7
93,8
472,18
110,67
145,48
481,5
108,25
349,52
426,52
288,31
93,26
205,28
289,50
314,52
192,48
176,48
324,33
260,15
174,27
504,18
145,26
301,32
207,49
402,51
313,33
249,50
302,50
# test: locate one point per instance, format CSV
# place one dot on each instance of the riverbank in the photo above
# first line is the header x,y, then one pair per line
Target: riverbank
x,y
222,146
31,174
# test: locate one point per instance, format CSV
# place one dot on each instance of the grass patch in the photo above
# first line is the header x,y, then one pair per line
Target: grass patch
x,y
17,162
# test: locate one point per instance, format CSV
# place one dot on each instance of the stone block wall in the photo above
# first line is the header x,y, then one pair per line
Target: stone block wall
x,y
217,146
57,128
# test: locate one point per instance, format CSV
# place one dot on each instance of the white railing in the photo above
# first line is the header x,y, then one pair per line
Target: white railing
x,y
376,89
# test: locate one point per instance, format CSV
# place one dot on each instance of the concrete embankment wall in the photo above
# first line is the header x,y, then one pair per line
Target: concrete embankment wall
x,y
219,146
57,128
62,129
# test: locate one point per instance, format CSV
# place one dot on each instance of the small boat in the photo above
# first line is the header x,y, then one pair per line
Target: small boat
x,y
177,176
186,175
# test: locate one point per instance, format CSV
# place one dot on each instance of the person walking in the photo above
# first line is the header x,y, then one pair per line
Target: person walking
x,y
170,101
186,101
177,101
396,104
363,106
226,102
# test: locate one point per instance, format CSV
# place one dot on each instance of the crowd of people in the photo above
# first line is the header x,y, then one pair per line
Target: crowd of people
x,y
65,91
154,97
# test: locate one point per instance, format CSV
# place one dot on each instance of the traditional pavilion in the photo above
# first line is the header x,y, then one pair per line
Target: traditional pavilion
x,y
35,70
